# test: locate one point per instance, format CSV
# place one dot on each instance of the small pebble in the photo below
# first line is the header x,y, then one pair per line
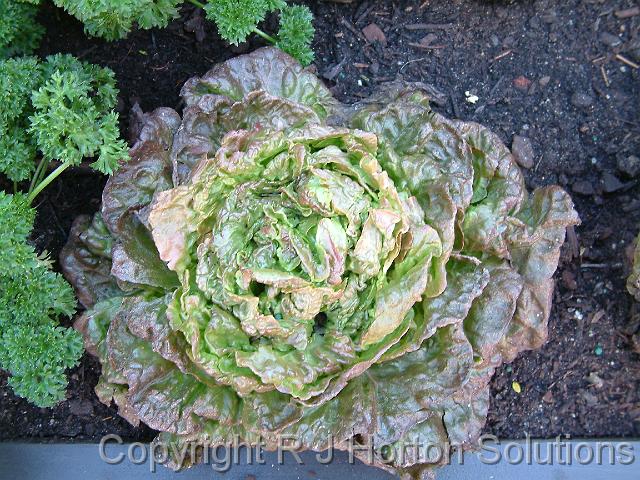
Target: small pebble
x,y
595,380
610,40
522,151
629,165
583,187
581,100
471,98
590,398
428,39
373,33
610,183
522,83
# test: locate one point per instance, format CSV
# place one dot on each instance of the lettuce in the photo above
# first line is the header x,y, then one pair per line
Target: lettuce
x,y
277,263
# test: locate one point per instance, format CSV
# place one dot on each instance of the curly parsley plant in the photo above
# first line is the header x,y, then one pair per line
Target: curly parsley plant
x,y
53,114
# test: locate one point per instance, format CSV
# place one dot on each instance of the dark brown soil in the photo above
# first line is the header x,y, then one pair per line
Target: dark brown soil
x,y
544,69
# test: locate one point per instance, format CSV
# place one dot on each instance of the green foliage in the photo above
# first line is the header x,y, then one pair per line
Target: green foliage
x,y
19,33
73,116
18,79
296,32
113,19
33,348
61,107
237,19
31,351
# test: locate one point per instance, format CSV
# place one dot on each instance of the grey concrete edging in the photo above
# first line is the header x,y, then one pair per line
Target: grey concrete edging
x,y
38,461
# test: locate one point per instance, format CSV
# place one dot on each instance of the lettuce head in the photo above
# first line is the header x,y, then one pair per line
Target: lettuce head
x,y
275,263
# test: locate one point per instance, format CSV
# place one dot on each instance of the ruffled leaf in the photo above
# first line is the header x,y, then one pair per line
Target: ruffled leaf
x,y
335,273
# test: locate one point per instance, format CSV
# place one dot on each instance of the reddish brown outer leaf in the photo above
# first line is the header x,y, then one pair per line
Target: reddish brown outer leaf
x,y
86,267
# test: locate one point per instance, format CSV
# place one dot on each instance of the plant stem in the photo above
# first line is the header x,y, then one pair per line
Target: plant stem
x,y
197,3
37,175
268,38
50,178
